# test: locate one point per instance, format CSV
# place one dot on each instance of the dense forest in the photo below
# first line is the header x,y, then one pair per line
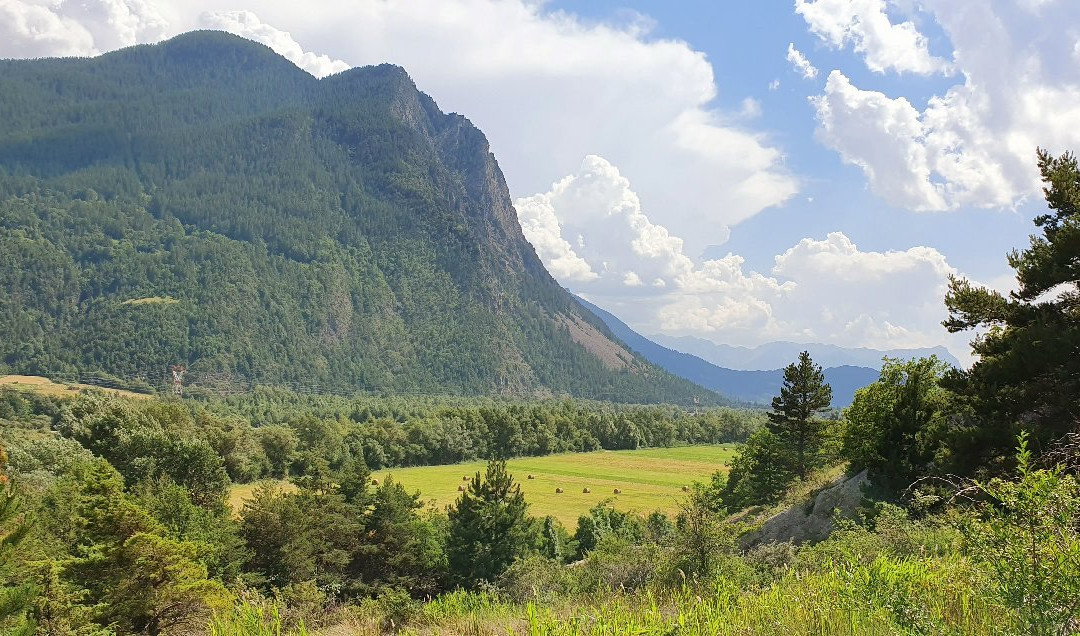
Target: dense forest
x,y
203,202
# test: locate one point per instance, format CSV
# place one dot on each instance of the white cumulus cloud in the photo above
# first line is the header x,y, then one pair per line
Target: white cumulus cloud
x,y
248,25
827,290
975,144
47,28
866,25
801,64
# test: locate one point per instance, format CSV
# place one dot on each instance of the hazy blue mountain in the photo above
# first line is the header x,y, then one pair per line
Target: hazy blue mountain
x,y
755,386
205,202
775,354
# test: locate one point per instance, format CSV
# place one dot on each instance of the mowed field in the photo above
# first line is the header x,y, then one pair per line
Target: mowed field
x,y
45,386
650,479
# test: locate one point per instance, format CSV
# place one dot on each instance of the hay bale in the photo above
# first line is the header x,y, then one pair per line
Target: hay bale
x,y
532,477
558,491
585,490
374,482
686,488
618,492
461,488
465,478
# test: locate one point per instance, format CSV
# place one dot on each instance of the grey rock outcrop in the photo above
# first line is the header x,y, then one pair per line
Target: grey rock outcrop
x,y
815,520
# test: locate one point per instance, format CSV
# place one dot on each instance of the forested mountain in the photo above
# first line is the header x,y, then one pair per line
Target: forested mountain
x,y
756,386
205,202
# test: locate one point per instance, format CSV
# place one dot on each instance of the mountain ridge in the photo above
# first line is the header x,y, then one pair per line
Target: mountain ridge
x,y
771,354
340,231
750,386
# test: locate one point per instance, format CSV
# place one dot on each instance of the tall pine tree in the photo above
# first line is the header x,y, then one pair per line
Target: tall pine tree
x,y
794,412
1027,373
489,526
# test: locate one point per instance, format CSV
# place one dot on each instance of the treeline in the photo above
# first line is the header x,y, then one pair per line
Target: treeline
x,y
131,530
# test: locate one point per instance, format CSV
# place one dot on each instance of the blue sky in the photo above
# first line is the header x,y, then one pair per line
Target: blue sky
x,y
807,170
746,43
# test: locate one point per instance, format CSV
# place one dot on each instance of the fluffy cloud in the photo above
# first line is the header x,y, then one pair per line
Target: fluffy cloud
x,y
974,145
590,228
248,25
42,28
866,26
801,64
592,232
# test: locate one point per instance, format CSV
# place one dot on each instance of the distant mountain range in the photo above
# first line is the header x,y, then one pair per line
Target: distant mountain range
x,y
773,355
755,386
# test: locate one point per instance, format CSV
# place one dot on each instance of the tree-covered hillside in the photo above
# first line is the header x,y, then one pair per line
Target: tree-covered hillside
x,y
204,202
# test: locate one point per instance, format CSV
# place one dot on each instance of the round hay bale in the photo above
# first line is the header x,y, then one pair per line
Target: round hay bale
x,y
461,488
618,492
558,491
686,488
374,482
585,490
465,478
532,477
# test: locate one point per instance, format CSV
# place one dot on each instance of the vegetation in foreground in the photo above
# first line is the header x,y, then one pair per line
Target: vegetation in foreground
x,y
113,516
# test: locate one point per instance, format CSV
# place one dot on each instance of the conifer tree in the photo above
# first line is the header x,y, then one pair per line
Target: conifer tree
x,y
489,526
1027,371
793,417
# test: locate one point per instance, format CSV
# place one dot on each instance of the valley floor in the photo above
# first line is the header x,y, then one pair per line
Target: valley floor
x,y
649,479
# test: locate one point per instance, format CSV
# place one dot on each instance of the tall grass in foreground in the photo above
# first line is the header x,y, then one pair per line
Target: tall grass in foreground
x,y
252,619
886,597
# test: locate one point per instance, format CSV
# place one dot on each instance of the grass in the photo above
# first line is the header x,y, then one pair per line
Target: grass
x,y
239,493
152,300
650,479
45,386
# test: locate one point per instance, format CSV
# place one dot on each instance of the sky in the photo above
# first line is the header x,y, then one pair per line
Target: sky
x,y
744,172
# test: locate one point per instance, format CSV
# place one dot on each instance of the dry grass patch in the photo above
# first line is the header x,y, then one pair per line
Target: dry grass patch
x,y
45,386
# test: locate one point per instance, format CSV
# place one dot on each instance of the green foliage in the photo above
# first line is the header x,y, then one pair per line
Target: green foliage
x,y
489,527
555,542
401,549
895,426
604,521
252,619
115,560
886,597
1029,538
294,537
760,472
146,442
1027,373
701,538
16,595
794,412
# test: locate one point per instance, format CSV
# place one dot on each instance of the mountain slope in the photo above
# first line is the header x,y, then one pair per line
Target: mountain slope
x,y
205,202
774,354
746,386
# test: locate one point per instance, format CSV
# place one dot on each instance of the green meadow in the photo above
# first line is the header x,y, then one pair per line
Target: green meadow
x,y
650,479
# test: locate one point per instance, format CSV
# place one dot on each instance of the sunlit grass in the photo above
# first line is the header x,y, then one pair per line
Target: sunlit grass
x,y
649,479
